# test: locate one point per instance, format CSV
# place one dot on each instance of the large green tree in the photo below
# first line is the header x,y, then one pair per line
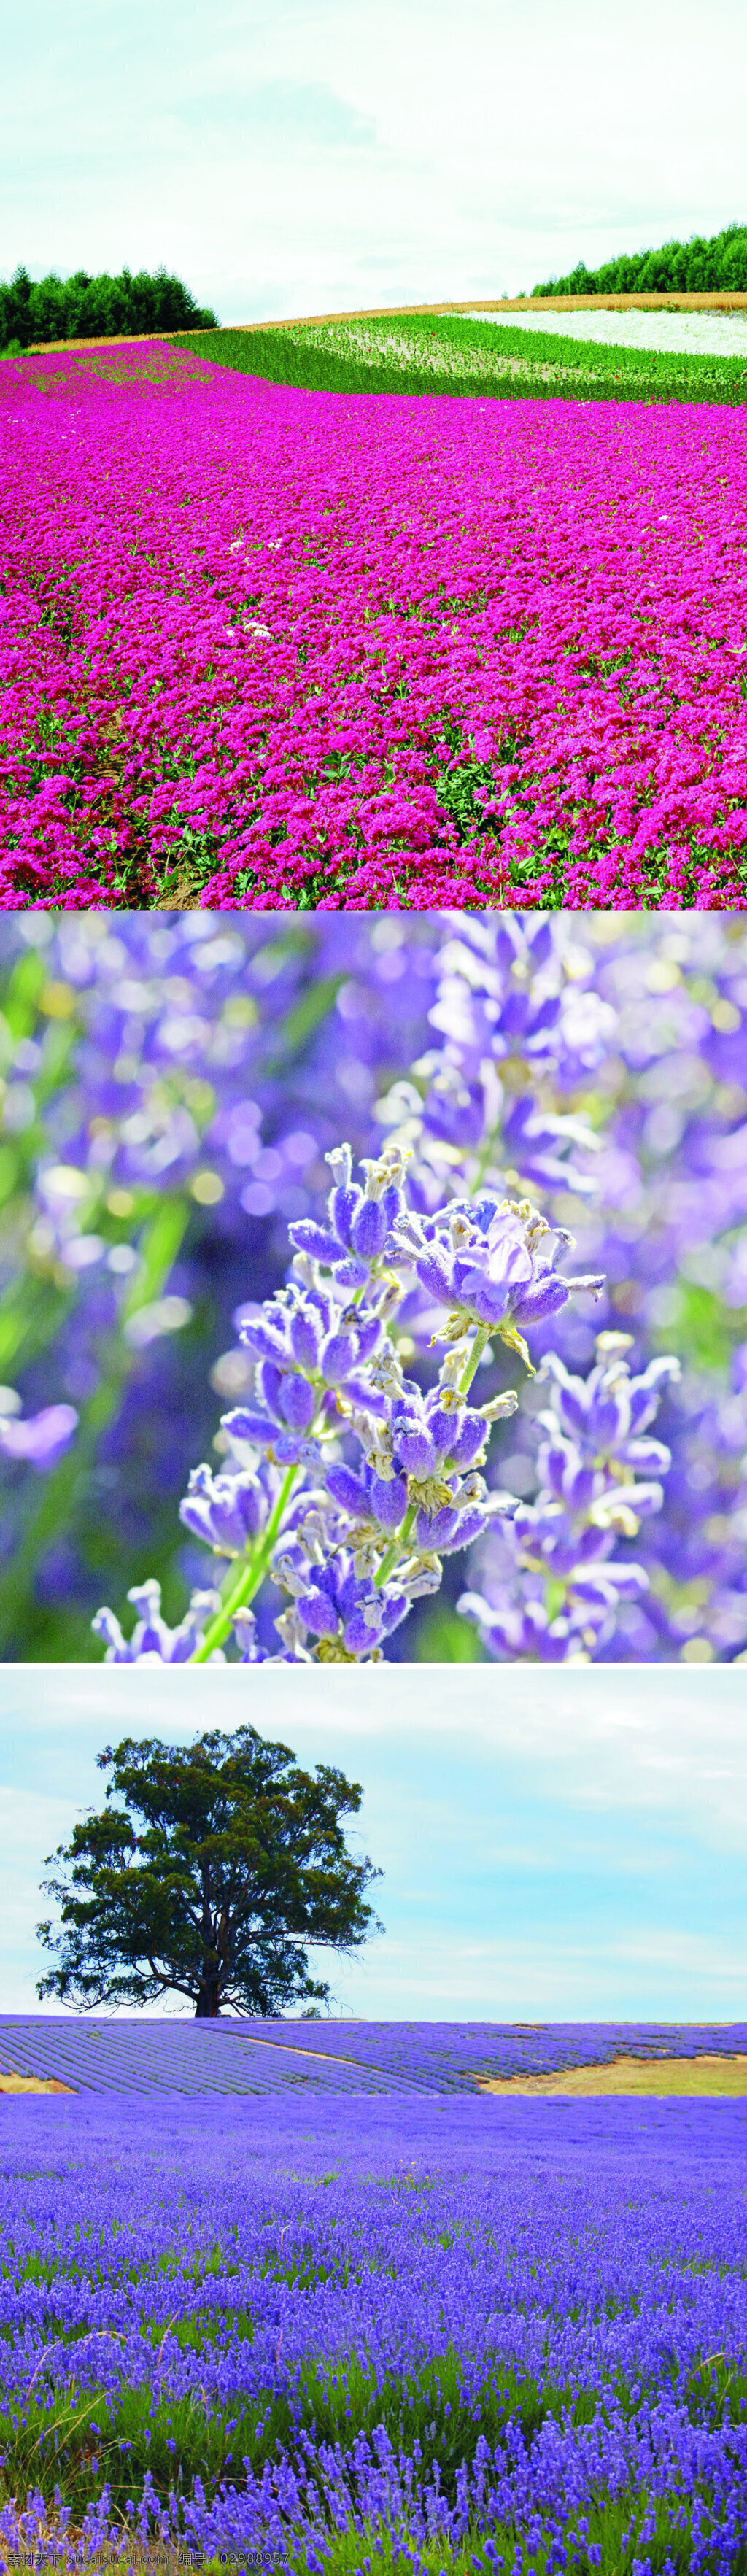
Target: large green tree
x,y
207,1873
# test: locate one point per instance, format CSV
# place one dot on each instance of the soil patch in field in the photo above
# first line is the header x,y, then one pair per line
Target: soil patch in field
x,y
33,2084
703,2074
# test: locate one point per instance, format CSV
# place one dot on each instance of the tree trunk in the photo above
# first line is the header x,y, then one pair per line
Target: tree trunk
x,y
207,2007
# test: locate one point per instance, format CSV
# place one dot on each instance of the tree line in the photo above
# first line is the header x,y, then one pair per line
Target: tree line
x,y
717,266
96,308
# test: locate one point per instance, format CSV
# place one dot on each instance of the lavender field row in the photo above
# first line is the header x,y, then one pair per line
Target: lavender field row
x,y
449,2057
102,2056
376,2336
99,2055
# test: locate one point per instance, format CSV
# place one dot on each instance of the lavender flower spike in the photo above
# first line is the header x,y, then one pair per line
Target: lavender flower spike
x,y
151,1641
608,1412
549,1588
349,1482
228,1512
360,1218
489,1261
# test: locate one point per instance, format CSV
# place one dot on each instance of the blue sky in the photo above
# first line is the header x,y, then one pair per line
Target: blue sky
x,y
316,154
562,1844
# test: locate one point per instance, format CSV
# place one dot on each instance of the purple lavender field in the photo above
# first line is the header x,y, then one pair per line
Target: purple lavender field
x,y
104,2054
188,1400
341,2331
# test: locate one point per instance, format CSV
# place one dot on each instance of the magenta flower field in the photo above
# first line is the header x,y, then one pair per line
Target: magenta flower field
x,y
272,648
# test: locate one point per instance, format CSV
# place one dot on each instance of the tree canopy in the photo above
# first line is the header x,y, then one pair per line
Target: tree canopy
x,y
713,266
96,308
208,1872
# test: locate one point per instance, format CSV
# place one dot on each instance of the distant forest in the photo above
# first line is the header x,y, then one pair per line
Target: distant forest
x,y
96,308
681,268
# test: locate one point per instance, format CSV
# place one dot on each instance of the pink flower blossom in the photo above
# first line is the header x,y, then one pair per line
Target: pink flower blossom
x,y
366,650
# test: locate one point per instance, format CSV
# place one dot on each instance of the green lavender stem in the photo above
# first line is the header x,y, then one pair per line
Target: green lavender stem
x,y
247,1583
396,1547
482,1336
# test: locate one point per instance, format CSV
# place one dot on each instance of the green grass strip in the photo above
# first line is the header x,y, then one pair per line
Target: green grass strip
x,y
443,354
80,2440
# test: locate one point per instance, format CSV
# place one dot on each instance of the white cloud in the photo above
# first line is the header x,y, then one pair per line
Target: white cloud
x,y
601,1738
325,153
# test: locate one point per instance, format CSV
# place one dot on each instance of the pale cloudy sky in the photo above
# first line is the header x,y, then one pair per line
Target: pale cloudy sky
x,y
562,1845
314,154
